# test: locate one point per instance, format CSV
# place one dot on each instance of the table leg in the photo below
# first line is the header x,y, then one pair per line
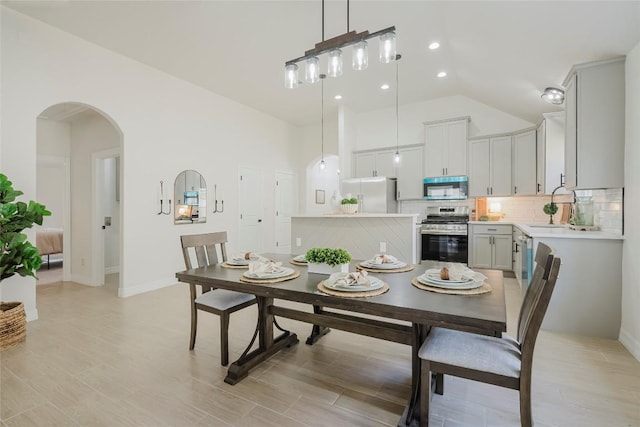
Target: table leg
x,y
317,331
267,344
411,414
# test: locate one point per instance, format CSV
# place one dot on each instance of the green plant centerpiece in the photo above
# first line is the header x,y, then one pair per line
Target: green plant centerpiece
x,y
349,205
550,209
349,201
19,256
328,260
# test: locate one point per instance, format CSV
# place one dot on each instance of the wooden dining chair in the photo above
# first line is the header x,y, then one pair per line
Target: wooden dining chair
x,y
217,301
504,361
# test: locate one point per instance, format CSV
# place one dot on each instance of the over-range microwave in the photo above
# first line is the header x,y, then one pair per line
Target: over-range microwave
x,y
446,188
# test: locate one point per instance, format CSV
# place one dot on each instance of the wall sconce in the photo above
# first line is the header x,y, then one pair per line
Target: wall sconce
x,y
162,212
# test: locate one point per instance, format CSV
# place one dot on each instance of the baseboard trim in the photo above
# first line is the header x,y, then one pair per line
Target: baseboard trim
x,y
630,343
83,280
112,270
145,287
32,314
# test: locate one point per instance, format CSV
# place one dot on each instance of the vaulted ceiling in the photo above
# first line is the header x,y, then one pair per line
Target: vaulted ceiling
x,y
500,53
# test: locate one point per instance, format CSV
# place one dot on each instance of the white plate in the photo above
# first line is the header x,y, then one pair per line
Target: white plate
x,y
284,271
446,284
300,258
242,261
374,284
434,275
385,266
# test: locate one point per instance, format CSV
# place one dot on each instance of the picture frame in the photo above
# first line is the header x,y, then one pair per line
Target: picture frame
x,y
319,197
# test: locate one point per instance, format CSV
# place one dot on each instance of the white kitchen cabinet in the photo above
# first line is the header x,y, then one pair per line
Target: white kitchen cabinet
x,y
490,166
410,174
595,122
524,163
491,246
446,148
374,163
550,153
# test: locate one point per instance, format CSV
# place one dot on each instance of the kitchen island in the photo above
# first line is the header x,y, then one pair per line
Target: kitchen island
x,y
362,234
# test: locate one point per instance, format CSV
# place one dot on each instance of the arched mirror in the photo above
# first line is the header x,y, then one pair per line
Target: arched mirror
x,y
190,195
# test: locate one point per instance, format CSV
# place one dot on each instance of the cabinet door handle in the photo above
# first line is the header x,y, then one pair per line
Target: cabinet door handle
x,y
443,173
562,177
538,187
491,190
487,190
492,229
446,171
515,189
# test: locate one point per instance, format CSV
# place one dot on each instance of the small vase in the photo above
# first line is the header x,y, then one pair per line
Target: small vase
x,y
349,208
322,268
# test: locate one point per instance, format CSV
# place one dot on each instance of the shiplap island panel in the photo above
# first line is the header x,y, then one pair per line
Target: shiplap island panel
x,y
360,234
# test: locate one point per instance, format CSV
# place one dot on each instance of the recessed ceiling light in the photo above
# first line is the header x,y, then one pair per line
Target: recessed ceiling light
x,y
384,86
442,74
434,45
337,97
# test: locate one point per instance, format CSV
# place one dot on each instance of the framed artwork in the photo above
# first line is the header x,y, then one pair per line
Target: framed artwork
x,y
319,197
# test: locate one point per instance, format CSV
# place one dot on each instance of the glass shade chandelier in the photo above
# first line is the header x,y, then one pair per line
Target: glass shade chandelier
x,y
334,48
553,95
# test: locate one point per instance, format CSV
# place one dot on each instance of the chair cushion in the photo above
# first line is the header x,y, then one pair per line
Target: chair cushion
x,y
222,299
472,351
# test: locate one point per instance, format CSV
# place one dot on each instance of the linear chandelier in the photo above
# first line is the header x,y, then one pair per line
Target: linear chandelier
x,y
334,46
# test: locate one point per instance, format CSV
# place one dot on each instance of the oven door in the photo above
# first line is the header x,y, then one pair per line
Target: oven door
x,y
445,247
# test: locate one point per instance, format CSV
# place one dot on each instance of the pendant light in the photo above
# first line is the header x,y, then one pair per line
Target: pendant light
x,y
322,163
291,76
396,157
387,47
335,63
312,70
360,56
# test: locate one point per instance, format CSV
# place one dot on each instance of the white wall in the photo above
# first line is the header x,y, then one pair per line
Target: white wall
x,y
376,129
168,126
630,329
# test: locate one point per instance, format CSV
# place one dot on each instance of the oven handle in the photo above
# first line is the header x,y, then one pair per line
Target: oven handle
x,y
444,233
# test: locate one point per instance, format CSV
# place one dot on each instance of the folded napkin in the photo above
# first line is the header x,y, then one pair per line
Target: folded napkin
x,y
249,256
384,259
356,278
262,269
460,272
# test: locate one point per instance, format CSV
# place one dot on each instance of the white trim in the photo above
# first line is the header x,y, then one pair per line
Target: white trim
x,y
630,343
31,314
112,270
81,279
146,287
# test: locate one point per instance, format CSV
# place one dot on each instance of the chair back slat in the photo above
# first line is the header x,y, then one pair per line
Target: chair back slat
x,y
543,258
205,248
537,314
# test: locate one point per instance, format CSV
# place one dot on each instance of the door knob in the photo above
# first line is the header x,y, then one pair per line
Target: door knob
x,y
259,220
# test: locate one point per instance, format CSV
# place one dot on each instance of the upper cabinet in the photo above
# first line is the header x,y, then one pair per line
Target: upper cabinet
x,y
409,173
446,148
490,166
550,153
374,163
524,163
594,118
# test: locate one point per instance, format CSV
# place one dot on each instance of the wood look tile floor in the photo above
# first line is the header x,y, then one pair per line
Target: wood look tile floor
x,y
93,359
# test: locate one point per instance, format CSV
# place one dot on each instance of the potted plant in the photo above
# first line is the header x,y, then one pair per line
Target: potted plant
x,y
550,209
349,205
328,260
18,255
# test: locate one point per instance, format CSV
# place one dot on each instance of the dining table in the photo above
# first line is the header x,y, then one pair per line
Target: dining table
x,y
403,314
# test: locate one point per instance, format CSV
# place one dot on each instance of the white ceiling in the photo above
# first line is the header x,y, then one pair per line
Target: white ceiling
x,y
500,53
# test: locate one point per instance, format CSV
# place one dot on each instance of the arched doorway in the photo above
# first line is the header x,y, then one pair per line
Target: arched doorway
x,y
87,144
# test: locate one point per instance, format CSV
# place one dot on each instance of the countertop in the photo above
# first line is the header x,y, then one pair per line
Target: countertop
x,y
358,215
559,231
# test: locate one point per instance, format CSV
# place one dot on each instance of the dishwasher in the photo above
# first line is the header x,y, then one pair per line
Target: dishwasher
x,y
525,263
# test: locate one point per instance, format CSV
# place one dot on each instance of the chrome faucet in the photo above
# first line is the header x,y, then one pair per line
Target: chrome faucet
x,y
552,205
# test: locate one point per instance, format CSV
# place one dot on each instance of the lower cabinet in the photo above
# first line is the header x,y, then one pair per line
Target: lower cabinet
x,y
491,246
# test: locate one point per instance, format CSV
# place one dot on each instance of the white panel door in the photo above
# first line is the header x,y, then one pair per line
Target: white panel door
x,y
251,209
385,165
501,166
365,165
456,162
286,206
524,164
410,174
435,144
479,168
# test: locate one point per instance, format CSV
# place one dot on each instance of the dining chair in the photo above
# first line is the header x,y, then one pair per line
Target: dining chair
x,y
217,301
504,361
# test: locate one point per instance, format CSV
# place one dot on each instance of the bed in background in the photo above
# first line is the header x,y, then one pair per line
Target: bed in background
x,y
49,242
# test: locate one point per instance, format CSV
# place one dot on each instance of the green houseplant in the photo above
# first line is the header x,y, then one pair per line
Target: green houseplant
x,y
18,255
550,209
328,260
349,205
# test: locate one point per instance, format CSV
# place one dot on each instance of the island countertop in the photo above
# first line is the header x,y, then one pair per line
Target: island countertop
x,y
358,215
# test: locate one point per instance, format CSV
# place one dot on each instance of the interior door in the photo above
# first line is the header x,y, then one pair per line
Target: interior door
x,y
286,206
251,209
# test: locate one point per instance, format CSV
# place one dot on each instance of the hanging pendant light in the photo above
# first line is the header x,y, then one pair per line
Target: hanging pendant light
x,y
322,164
360,56
312,70
396,157
291,76
387,47
335,63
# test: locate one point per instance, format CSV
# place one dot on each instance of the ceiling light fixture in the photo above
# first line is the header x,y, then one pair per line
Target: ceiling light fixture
x,y
434,45
337,97
553,95
334,48
396,157
322,164
442,74
385,86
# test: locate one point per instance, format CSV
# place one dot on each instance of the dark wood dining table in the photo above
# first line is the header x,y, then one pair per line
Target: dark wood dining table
x,y
404,314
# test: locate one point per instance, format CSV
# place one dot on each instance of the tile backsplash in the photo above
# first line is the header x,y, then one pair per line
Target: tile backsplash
x,y
607,207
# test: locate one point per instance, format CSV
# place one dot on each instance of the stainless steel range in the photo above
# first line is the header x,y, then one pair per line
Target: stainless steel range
x,y
445,234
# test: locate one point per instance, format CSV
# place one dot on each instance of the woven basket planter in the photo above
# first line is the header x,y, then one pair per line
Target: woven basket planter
x,y
350,209
13,324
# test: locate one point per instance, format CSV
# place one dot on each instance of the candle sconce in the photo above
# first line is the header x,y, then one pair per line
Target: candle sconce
x,y
162,212
215,201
